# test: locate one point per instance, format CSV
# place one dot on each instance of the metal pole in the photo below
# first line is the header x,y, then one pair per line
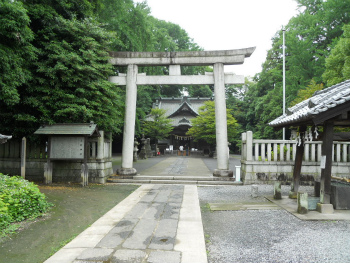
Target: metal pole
x,y
284,80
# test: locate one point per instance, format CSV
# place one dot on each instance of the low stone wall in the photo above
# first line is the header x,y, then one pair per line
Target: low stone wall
x,y
63,171
267,161
258,172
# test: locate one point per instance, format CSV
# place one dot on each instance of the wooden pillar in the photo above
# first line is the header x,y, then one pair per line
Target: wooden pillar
x,y
85,167
327,152
297,166
23,157
48,165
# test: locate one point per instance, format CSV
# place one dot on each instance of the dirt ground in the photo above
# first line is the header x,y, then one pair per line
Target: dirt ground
x,y
75,208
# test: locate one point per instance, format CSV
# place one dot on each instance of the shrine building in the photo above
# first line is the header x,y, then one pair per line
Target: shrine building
x,y
181,111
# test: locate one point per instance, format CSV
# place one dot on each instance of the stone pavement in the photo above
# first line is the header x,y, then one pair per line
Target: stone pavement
x,y
156,223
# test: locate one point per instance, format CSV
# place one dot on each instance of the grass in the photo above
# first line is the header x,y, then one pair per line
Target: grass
x,y
75,209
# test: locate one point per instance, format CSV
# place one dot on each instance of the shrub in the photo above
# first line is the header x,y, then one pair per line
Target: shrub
x,y
19,200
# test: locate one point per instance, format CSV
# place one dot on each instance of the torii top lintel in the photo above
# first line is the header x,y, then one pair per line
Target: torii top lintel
x,y
195,58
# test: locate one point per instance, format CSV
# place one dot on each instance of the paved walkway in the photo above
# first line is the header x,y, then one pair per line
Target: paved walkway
x,y
156,223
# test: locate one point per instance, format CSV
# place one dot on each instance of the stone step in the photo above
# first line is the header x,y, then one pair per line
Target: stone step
x,y
182,178
172,181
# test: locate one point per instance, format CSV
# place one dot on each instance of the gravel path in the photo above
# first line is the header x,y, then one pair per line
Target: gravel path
x,y
268,235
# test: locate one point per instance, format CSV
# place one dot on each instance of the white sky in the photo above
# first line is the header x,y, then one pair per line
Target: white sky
x,y
229,24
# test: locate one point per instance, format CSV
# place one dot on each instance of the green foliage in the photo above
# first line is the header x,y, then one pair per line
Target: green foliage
x,y
16,51
19,200
159,127
306,93
69,74
203,126
338,63
309,38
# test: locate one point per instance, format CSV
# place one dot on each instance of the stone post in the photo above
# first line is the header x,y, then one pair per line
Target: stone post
x,y
277,192
303,204
101,146
221,122
249,146
254,191
244,146
129,122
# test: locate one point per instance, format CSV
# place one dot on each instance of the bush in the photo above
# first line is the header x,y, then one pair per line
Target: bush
x,y
19,200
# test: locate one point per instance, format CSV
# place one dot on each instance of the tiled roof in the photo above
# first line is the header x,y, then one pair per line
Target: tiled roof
x,y
173,107
69,129
320,102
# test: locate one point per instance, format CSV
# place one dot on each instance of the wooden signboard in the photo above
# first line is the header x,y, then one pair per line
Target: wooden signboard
x,y
64,147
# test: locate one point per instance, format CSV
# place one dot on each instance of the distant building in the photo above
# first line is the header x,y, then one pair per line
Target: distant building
x,y
181,111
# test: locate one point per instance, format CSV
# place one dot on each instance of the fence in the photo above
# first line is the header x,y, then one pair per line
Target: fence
x,y
270,160
99,161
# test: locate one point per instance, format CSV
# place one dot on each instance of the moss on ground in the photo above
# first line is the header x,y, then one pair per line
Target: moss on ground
x,y
75,209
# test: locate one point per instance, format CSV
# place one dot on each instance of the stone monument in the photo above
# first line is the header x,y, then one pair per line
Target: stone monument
x,y
135,150
143,154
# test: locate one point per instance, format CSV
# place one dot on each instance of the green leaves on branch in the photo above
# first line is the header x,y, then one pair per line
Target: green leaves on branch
x,y
203,126
16,50
338,63
157,125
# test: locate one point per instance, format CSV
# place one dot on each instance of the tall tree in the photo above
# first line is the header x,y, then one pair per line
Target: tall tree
x,y
309,38
203,126
157,126
338,63
16,50
69,74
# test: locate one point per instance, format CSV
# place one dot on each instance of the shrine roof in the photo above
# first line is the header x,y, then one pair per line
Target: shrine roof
x,y
88,129
174,105
317,108
176,108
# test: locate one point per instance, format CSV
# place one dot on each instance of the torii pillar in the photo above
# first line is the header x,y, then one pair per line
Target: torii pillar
x,y
174,60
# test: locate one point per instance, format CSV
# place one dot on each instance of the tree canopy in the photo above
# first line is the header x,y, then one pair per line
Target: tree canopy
x,y
157,126
55,67
316,53
338,63
54,62
203,126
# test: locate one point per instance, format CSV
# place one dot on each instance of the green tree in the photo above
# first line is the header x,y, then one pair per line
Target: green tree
x,y
203,126
16,50
338,63
309,38
69,74
304,94
157,125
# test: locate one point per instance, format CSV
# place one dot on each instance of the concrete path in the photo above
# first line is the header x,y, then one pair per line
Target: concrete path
x,y
156,223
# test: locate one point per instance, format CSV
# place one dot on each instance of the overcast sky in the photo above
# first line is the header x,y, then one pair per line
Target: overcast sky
x,y
229,24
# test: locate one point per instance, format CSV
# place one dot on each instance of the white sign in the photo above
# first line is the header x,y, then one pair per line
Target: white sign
x,y
323,161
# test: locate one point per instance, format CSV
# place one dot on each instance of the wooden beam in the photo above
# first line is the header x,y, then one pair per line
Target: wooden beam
x,y
331,113
298,163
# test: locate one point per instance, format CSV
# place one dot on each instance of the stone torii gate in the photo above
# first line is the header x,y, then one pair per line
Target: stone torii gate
x,y
175,60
